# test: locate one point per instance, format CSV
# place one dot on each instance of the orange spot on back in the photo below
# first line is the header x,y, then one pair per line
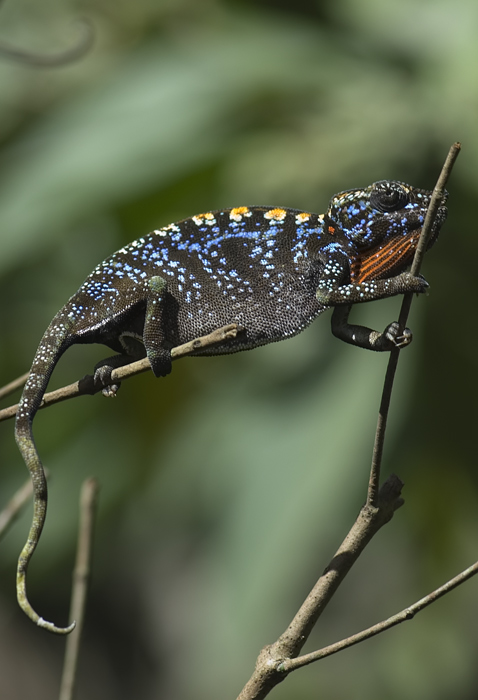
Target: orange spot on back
x,y
207,218
237,213
276,214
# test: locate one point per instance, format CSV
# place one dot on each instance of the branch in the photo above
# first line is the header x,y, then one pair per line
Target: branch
x,y
15,505
435,201
81,575
13,386
88,386
406,614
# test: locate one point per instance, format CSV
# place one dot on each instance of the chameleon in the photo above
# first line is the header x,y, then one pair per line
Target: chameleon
x,y
270,270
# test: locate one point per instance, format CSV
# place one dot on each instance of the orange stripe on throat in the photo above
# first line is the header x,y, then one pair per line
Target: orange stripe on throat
x,y
384,260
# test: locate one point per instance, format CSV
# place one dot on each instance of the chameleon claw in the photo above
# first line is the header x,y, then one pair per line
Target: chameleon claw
x,y
110,391
102,378
391,338
393,335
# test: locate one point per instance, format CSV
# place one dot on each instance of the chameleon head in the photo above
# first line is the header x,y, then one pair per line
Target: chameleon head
x,y
383,223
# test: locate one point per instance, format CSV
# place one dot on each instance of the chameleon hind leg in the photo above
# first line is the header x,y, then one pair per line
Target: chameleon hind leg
x,y
133,351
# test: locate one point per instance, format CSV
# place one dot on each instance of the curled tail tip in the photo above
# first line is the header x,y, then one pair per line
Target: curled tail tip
x,y
25,605
53,628
40,622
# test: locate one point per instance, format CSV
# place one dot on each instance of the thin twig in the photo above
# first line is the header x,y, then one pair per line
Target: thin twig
x,y
15,505
435,201
81,575
405,614
13,386
87,386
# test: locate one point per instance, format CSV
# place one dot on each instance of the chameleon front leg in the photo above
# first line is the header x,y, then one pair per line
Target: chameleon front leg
x,y
330,292
158,354
135,348
364,337
370,291
355,293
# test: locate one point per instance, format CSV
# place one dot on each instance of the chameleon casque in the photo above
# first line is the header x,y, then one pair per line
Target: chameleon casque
x,y
270,270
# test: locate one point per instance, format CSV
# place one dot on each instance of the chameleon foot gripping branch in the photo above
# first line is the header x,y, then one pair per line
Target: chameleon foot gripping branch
x,y
270,270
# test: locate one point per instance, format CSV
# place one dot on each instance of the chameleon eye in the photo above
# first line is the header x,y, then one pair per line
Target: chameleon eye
x,y
388,196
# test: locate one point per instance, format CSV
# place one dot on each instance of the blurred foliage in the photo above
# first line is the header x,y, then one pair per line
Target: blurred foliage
x,y
227,486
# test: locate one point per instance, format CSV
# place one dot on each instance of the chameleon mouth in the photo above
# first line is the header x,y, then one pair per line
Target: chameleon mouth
x,y
392,257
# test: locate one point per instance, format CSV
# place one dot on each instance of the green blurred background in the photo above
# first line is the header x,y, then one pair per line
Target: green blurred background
x,y
226,487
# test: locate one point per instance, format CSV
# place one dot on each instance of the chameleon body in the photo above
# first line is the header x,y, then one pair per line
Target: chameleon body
x,y
270,270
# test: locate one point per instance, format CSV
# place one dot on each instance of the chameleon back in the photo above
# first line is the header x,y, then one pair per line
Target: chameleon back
x,y
254,266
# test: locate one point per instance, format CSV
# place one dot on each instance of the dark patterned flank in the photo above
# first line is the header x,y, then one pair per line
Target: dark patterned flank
x,y
270,270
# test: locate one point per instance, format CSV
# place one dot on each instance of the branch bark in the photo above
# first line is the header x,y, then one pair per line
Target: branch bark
x,y
81,577
14,506
87,385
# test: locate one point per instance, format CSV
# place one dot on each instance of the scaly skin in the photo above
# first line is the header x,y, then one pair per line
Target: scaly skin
x,y
270,270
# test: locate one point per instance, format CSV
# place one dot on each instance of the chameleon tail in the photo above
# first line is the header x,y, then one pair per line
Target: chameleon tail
x,y
51,348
